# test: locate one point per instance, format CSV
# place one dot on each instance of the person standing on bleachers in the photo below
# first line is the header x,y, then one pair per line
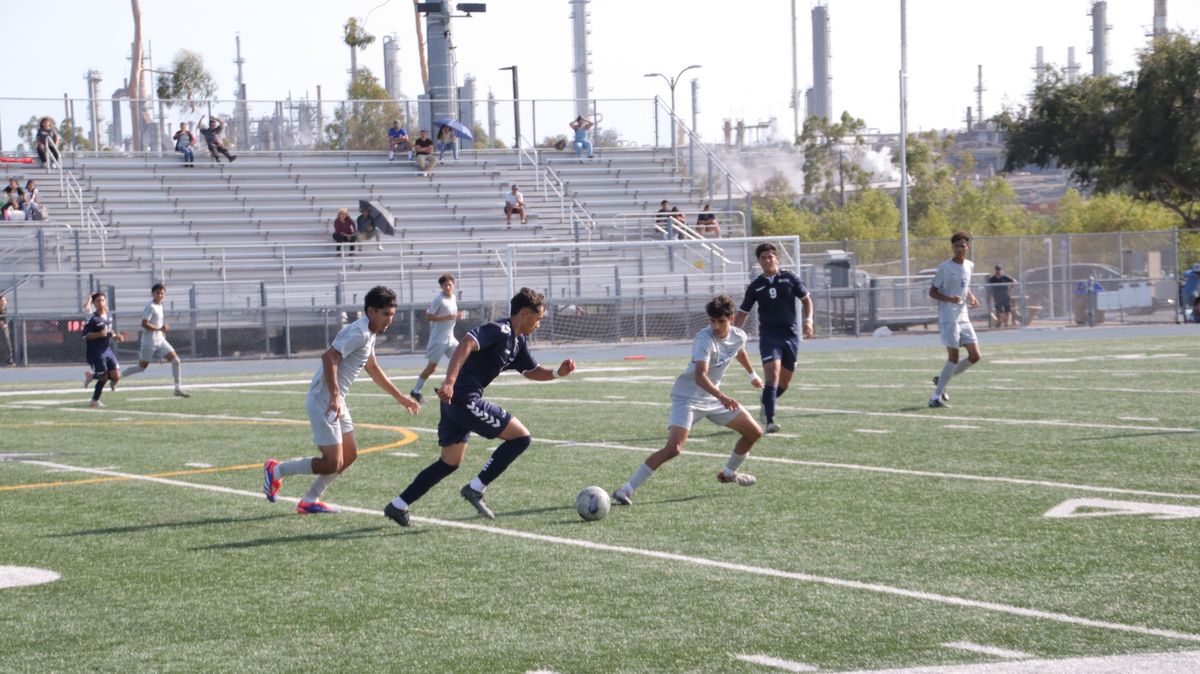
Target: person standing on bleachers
x,y
424,151
366,228
47,141
184,142
345,231
212,137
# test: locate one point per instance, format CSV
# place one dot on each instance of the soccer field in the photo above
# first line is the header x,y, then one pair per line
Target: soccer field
x,y
1052,513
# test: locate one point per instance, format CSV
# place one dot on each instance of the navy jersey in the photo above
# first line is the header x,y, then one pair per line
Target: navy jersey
x,y
97,323
500,348
776,298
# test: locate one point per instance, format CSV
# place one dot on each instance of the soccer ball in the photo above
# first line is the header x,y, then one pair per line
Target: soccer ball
x,y
592,503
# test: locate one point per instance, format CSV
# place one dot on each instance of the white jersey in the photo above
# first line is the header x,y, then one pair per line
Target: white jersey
x,y
718,353
356,343
953,278
442,331
153,315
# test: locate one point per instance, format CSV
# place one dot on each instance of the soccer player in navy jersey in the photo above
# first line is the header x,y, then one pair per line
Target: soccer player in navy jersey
x,y
99,335
480,357
776,291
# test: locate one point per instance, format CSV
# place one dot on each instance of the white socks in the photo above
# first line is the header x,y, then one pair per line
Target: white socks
x,y
962,365
400,503
294,467
132,370
943,380
478,485
318,487
420,383
640,475
734,461
176,371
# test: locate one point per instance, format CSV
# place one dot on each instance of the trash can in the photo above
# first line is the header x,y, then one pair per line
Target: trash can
x,y
1083,301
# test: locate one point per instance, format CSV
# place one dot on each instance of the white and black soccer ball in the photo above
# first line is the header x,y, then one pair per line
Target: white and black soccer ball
x,y
592,503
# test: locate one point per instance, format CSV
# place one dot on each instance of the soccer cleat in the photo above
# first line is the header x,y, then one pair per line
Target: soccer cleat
x,y
87,378
270,483
96,403
475,498
416,396
397,515
772,427
315,508
180,393
935,402
945,396
622,496
740,479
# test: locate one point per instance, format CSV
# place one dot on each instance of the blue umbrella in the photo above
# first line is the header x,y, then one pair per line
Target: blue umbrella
x,y
459,128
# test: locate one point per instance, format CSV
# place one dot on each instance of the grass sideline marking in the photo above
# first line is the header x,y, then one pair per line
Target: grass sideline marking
x,y
995,651
768,572
1182,662
775,663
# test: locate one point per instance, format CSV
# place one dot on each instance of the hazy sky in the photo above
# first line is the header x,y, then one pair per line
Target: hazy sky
x,y
744,48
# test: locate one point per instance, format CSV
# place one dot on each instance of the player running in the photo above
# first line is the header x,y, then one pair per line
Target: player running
x,y
480,357
951,288
442,315
98,334
154,344
352,350
776,291
697,395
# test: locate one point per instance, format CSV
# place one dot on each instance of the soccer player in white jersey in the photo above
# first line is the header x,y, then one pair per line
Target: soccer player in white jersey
x,y
154,344
352,350
442,315
952,289
696,395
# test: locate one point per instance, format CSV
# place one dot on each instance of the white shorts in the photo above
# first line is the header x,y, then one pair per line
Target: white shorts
x,y
957,333
151,352
436,351
685,413
324,433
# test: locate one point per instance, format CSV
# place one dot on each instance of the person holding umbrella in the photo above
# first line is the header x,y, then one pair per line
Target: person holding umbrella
x,y
446,140
366,226
374,218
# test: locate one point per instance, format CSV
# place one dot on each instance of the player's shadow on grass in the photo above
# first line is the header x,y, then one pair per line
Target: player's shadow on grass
x,y
1121,436
575,519
165,525
364,532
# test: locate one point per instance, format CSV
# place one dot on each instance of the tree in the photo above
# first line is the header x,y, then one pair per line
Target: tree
x,y
363,126
1137,134
357,38
830,151
189,80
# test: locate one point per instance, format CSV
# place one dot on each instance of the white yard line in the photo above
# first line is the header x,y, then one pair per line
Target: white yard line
x,y
948,600
775,663
987,650
1184,662
878,431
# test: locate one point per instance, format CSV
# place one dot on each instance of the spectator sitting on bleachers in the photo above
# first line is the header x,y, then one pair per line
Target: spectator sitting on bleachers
x,y
366,228
706,223
47,141
33,202
184,142
669,218
14,201
212,137
581,125
447,140
514,202
398,140
344,232
424,151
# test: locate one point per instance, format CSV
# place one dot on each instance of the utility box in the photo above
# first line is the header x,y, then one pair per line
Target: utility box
x,y
1144,263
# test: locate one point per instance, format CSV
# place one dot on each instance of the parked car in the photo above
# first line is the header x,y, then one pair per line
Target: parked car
x,y
1132,295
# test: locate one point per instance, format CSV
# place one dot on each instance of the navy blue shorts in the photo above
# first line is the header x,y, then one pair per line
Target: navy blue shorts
x,y
103,363
476,415
783,349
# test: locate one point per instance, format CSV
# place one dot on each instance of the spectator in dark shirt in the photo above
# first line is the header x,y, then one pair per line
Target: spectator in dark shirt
x,y
212,137
424,151
998,286
345,231
669,217
366,228
47,141
706,223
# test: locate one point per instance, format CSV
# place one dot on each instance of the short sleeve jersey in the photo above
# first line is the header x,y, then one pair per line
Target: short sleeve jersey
x,y
718,353
953,278
500,348
776,298
153,314
998,286
356,343
514,199
396,134
442,331
97,323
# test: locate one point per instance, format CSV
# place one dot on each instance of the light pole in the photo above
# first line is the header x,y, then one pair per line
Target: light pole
x,y
671,82
517,108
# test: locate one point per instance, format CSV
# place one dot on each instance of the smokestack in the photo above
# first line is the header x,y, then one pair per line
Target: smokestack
x,y
979,92
1072,66
1160,18
1100,30
822,93
391,67
1039,66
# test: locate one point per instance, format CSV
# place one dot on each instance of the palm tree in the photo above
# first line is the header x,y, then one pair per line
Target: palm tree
x,y
357,38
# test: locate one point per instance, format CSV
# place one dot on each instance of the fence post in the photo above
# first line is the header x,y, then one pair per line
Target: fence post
x,y
287,332
41,249
192,305
266,327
